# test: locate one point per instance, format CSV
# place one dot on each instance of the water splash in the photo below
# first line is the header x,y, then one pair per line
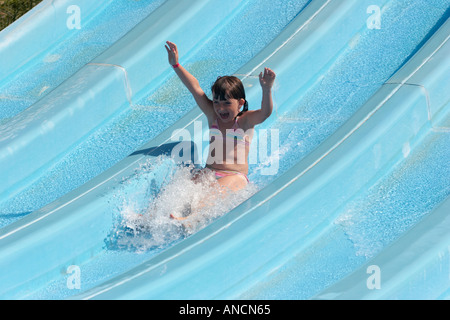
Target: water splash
x,y
144,215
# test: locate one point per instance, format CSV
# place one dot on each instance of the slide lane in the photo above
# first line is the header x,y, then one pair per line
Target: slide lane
x,y
416,266
254,242
36,32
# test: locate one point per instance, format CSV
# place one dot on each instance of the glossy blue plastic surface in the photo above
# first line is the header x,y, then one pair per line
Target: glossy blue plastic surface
x,y
363,122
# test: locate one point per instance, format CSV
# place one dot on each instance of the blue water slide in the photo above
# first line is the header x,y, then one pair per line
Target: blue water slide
x,y
246,252
243,254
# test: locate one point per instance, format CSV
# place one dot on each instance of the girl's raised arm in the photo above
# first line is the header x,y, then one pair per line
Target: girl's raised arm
x,y
253,118
189,81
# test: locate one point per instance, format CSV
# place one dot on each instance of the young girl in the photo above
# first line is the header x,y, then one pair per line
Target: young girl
x,y
229,125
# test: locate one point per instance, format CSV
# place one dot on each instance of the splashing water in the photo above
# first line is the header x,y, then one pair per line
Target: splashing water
x,y
144,221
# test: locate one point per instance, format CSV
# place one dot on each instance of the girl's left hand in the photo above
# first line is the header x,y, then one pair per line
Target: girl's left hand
x,y
267,78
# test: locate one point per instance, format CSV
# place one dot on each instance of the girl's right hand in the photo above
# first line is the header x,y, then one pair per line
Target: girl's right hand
x,y
267,78
172,52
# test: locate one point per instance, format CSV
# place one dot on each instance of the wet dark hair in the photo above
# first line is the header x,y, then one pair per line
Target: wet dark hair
x,y
229,86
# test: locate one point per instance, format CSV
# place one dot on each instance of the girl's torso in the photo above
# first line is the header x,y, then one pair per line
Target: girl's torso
x,y
229,148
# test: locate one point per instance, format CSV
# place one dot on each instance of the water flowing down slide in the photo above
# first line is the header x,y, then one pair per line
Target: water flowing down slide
x,y
349,173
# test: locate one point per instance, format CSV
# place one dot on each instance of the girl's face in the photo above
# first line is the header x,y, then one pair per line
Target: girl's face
x,y
228,109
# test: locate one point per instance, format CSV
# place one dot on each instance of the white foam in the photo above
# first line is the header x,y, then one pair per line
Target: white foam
x,y
148,225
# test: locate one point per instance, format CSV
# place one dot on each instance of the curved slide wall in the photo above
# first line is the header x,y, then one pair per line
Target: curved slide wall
x,y
416,265
37,31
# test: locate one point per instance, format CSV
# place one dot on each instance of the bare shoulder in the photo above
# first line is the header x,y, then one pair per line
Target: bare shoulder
x,y
205,104
251,118
246,120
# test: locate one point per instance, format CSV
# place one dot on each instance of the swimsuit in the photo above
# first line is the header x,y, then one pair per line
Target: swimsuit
x,y
238,136
225,173
235,134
